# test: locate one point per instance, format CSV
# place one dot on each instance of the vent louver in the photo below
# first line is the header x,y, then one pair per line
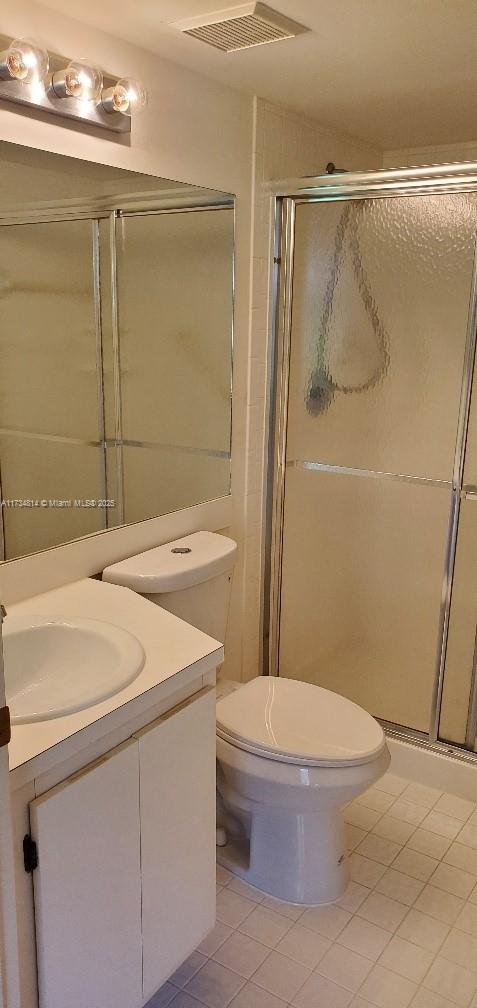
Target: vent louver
x,y
242,27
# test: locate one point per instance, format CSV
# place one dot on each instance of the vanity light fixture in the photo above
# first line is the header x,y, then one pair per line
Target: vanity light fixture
x,y
127,96
79,79
24,61
72,88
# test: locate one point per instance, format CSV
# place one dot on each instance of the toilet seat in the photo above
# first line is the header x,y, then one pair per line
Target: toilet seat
x,y
295,722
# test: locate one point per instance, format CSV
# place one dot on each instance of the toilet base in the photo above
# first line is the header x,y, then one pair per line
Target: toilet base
x,y
298,858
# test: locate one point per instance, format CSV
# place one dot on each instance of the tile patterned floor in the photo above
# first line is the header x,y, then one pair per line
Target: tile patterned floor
x,y
404,934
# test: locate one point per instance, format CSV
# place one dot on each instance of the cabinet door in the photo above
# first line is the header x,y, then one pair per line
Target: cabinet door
x,y
87,886
177,788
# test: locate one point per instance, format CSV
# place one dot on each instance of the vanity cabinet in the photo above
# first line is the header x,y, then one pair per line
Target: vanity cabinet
x,y
87,887
177,801
124,890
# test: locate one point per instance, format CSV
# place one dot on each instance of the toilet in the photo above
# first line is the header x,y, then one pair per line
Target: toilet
x,y
290,754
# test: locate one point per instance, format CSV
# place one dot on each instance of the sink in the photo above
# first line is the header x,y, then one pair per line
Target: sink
x,y
55,665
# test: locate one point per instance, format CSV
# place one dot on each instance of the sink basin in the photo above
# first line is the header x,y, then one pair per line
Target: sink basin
x,y
56,666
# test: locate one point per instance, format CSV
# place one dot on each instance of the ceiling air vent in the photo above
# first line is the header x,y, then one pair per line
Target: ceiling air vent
x,y
242,27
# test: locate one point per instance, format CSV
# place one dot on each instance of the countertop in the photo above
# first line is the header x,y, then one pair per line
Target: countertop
x,y
176,653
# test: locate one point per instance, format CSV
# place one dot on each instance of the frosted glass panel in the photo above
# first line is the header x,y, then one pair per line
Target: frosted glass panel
x,y
175,289
159,480
59,471
363,563
462,629
380,304
48,379
49,402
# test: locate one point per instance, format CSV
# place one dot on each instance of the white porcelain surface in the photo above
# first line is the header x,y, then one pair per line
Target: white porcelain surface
x,y
178,657
56,665
298,722
285,821
161,570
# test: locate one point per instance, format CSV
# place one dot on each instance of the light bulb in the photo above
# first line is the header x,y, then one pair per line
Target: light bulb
x,y
128,96
25,61
79,79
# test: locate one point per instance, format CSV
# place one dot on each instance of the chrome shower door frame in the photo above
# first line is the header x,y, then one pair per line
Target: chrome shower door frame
x,y
285,196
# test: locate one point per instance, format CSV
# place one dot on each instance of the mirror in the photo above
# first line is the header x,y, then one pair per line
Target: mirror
x,y
116,317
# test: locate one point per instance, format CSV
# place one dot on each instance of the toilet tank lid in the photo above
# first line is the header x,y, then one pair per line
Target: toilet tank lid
x,y
175,565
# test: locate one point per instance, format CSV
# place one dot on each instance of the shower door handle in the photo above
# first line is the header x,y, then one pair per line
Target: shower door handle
x,y
468,493
471,731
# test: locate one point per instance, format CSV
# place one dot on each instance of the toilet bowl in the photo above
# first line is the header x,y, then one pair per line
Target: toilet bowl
x,y
290,756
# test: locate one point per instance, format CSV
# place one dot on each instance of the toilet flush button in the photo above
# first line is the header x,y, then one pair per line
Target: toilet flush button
x,y
181,549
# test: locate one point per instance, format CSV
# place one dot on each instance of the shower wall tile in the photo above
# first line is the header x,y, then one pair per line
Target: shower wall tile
x,y
442,154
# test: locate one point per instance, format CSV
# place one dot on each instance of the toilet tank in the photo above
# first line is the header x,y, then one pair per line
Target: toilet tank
x,y
191,577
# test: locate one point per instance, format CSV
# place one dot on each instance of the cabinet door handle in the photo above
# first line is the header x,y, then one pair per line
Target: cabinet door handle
x,y
5,727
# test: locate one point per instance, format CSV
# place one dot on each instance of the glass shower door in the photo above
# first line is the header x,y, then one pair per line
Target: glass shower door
x,y
379,320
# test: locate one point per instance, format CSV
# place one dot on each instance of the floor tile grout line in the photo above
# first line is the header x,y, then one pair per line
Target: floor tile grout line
x,y
315,968
372,889
399,798
406,906
261,904
257,984
409,907
429,880
428,811
418,983
403,846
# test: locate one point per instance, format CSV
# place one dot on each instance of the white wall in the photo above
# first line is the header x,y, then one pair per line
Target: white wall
x,y
286,145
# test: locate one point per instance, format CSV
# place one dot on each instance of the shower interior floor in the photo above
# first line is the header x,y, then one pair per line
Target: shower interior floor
x,y
403,936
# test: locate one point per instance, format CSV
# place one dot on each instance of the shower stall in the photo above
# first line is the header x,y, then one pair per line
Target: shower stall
x,y
371,566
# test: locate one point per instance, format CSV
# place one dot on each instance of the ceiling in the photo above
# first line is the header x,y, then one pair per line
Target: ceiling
x,y
397,73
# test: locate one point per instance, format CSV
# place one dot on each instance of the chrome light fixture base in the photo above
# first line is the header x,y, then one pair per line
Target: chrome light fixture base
x,y
40,95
